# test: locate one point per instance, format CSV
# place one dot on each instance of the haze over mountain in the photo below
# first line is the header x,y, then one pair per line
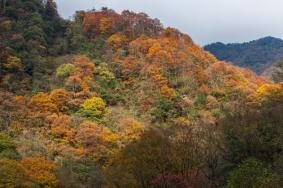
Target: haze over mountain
x,y
258,55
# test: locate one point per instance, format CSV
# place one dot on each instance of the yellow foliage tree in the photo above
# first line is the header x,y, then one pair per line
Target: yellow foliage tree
x,y
94,107
13,174
13,64
270,90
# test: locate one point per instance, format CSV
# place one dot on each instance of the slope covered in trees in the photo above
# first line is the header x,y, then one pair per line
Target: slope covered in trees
x,y
258,55
116,100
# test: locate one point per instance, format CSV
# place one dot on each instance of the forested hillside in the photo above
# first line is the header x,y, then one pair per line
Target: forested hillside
x,y
117,100
258,55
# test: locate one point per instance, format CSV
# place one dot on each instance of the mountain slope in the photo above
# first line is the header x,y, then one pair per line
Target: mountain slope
x,y
116,100
257,55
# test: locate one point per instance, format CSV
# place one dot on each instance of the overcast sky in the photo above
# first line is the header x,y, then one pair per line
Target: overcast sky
x,y
205,20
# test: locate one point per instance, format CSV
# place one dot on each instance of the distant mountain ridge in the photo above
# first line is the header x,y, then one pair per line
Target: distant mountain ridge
x,y
257,55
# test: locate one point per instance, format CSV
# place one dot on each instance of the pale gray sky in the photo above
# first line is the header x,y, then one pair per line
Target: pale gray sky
x,y
205,20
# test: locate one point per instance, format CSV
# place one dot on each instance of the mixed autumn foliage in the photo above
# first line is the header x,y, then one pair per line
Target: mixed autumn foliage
x,y
116,100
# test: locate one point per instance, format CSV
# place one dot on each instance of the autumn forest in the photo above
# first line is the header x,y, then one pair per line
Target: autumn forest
x,y
116,100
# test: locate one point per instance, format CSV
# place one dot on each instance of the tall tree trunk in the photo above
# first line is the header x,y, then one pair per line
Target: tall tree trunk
x,y
3,5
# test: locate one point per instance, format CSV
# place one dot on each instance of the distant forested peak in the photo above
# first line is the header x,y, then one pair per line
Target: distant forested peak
x,y
258,55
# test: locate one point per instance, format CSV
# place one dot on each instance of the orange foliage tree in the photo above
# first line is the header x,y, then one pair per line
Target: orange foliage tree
x,y
41,102
117,40
105,25
41,171
60,98
61,127
94,139
130,129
